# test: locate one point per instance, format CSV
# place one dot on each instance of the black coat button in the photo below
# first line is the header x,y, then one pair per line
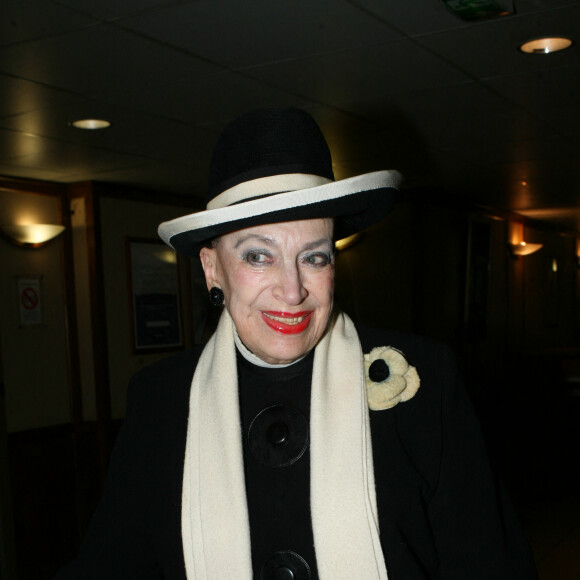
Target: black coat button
x,y
285,565
278,436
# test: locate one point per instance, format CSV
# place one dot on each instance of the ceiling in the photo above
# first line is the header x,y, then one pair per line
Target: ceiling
x,y
393,84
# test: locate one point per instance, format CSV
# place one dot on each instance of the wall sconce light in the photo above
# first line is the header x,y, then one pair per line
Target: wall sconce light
x,y
30,235
524,249
166,255
517,245
578,252
347,242
91,124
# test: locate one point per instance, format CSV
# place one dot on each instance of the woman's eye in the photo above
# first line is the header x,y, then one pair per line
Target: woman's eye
x,y
318,259
256,258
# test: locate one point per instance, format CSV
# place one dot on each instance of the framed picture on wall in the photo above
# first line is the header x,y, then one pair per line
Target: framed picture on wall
x,y
154,296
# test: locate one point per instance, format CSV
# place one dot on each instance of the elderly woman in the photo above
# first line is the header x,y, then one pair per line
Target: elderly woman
x,y
296,444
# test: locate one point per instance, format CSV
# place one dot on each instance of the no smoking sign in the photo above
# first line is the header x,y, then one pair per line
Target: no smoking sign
x,y
29,301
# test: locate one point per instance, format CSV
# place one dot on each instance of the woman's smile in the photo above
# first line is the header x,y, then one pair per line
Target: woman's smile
x,y
288,322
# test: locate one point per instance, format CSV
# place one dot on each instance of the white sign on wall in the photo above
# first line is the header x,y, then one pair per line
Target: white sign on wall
x,y
29,300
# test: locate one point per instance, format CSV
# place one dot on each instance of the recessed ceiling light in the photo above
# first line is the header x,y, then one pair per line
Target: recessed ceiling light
x,y
91,124
546,45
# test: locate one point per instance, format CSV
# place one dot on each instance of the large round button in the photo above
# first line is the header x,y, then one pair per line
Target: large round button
x,y
285,565
278,436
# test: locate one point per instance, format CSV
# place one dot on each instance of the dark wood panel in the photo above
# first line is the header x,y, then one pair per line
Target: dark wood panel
x,y
56,477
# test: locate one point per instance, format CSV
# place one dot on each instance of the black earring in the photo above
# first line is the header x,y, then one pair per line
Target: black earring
x,y
216,296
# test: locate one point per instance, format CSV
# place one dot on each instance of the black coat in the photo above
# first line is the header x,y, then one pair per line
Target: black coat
x,y
442,513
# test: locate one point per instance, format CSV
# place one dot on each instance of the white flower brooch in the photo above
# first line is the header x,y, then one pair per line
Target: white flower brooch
x,y
390,379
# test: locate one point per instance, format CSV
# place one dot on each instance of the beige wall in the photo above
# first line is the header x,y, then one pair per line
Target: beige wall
x,y
121,219
35,364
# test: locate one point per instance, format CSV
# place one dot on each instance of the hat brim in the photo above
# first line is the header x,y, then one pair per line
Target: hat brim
x,y
355,203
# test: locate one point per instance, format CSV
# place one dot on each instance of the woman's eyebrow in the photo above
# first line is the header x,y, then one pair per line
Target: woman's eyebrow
x,y
264,239
274,243
318,243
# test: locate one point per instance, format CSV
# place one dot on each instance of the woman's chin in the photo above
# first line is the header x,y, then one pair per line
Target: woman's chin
x,y
284,351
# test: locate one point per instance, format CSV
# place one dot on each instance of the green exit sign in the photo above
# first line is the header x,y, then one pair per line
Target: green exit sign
x,y
479,9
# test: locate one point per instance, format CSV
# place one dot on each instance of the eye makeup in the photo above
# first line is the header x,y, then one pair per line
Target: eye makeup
x,y
317,259
317,253
257,257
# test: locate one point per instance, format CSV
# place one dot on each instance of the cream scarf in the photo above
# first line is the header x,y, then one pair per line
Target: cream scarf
x,y
215,528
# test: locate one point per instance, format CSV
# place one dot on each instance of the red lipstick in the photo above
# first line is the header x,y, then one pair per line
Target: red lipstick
x,y
297,321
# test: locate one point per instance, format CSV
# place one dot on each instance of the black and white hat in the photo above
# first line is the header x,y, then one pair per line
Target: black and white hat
x,y
273,165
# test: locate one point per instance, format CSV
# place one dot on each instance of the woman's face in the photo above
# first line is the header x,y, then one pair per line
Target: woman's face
x,y
278,281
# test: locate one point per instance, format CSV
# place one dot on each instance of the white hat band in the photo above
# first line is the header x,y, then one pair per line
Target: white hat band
x,y
266,186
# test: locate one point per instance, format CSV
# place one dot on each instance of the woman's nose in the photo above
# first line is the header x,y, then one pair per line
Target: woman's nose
x,y
291,289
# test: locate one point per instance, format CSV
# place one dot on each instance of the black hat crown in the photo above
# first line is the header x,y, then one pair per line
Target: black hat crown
x,y
268,142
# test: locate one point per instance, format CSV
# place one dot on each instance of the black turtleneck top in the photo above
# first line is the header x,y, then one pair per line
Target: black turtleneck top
x,y
275,412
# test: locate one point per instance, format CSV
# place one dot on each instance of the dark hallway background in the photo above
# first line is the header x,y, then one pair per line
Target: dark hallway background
x,y
431,267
